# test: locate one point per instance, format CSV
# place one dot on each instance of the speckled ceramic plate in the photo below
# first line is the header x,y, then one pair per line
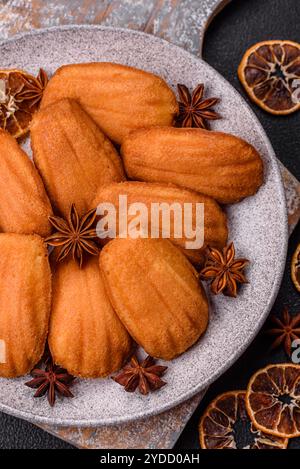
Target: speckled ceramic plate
x,y
258,227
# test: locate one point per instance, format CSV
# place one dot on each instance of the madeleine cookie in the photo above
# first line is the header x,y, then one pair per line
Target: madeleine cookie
x,y
86,336
73,156
156,293
25,299
220,165
172,202
24,204
117,97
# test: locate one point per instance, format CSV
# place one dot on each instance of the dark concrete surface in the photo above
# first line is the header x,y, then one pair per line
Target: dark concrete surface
x,y
240,25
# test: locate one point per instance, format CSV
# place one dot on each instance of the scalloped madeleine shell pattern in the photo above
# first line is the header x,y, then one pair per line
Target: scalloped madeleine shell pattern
x,y
220,165
119,98
24,204
155,291
215,221
86,336
72,155
25,298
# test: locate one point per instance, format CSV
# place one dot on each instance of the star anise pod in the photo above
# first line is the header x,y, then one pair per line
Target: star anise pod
x,y
74,235
194,111
2,117
51,380
33,89
224,271
285,330
145,376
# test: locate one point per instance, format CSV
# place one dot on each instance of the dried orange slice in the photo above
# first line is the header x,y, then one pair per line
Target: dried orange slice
x,y
273,400
295,268
226,425
20,95
270,73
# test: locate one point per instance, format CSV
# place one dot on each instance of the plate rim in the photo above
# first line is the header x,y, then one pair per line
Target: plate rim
x,y
29,416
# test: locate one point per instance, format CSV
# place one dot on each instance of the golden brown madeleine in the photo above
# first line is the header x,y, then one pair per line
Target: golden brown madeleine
x,y
24,204
117,97
215,222
156,293
86,336
220,165
25,300
73,156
